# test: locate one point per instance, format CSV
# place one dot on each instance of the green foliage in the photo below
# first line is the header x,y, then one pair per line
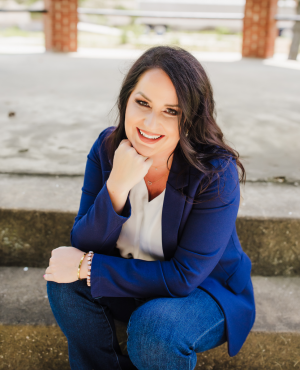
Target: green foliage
x,y
16,31
136,29
132,20
36,16
175,41
26,2
223,31
124,38
120,7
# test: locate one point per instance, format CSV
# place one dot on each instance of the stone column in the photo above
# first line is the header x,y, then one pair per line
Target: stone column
x,y
60,25
259,30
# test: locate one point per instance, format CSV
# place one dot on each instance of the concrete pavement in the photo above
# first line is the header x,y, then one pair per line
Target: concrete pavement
x,y
53,106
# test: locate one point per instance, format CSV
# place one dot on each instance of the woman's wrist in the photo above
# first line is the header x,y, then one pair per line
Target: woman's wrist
x,y
115,188
118,196
84,268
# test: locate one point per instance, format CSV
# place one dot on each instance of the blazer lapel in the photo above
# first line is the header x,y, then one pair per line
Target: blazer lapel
x,y
174,202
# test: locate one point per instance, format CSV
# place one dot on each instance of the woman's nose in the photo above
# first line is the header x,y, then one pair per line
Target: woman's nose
x,y
151,121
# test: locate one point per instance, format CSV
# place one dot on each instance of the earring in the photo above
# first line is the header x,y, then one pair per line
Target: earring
x,y
187,132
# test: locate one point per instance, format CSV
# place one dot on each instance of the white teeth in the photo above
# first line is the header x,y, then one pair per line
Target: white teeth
x,y
149,137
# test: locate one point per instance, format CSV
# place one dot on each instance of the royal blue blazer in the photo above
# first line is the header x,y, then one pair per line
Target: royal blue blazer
x,y
200,243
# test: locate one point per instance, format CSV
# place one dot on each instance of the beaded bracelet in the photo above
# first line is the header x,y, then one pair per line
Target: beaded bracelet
x,y
89,257
78,271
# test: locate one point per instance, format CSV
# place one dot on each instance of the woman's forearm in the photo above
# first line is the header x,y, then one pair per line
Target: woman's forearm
x,y
118,196
99,229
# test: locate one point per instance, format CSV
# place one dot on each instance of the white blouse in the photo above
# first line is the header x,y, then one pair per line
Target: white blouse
x,y
141,235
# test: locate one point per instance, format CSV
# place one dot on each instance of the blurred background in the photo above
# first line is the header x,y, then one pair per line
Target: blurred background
x,y
109,31
62,63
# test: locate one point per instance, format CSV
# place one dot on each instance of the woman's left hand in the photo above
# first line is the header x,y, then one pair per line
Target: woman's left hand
x,y
63,265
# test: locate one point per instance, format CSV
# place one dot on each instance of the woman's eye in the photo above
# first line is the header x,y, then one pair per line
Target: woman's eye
x,y
172,112
143,102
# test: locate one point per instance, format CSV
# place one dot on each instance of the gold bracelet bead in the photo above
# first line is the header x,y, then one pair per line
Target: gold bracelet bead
x,y
79,267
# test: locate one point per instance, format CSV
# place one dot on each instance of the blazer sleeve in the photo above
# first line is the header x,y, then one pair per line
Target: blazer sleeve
x,y
203,241
97,225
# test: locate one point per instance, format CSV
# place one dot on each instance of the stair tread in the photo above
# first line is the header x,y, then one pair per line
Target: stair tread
x,y
65,193
24,300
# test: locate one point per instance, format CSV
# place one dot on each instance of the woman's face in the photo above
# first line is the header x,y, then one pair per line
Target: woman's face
x,y
152,108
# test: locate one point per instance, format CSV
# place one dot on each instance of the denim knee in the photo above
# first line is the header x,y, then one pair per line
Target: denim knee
x,y
158,339
152,347
63,296
59,293
212,338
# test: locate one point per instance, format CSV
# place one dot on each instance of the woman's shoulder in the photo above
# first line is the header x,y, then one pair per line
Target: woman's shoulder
x,y
221,172
104,133
217,159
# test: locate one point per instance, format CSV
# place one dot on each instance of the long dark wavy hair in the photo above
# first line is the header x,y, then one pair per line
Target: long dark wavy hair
x,y
205,140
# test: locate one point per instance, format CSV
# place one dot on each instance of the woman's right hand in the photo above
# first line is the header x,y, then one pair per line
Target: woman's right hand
x,y
129,167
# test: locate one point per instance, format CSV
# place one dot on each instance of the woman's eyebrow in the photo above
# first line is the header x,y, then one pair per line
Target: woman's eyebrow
x,y
169,105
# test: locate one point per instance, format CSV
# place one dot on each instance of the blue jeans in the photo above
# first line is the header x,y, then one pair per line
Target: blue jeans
x,y
163,333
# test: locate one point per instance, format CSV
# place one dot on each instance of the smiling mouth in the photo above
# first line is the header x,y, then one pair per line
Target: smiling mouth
x,y
147,136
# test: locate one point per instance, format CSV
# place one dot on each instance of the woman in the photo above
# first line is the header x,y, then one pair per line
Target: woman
x,y
158,209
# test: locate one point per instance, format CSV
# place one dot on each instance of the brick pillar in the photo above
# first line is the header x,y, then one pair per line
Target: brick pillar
x,y
259,31
60,25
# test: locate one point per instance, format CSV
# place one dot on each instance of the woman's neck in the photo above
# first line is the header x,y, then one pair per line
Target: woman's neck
x,y
160,166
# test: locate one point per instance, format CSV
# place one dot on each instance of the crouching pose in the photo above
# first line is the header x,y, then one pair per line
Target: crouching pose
x,y
154,243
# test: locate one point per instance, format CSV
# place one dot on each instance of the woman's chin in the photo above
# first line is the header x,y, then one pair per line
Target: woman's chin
x,y
144,151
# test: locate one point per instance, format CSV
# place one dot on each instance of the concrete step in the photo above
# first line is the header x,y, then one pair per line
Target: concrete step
x,y
31,339
37,214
